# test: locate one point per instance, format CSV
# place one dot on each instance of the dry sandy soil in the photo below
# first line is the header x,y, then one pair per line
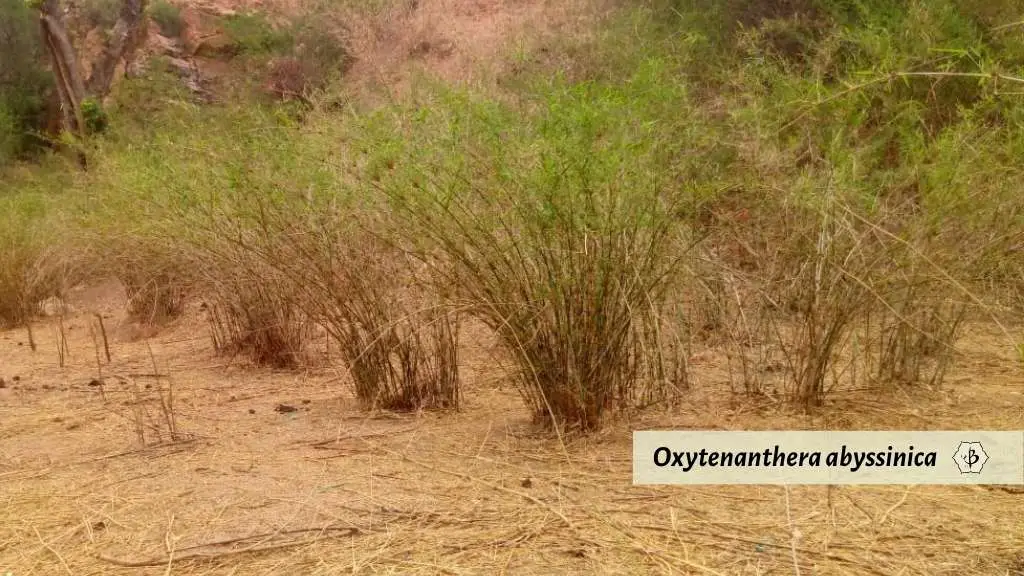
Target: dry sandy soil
x,y
328,489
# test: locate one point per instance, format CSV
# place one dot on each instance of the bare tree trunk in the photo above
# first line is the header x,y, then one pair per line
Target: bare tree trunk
x,y
122,41
66,70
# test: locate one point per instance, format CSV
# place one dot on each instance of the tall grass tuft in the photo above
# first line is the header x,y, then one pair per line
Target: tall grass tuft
x,y
399,344
252,311
563,251
157,277
37,261
579,307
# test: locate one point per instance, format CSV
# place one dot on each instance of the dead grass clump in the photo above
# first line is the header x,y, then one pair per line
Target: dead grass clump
x,y
19,293
156,274
253,308
402,353
400,347
830,289
152,410
818,296
745,330
155,296
808,291
402,363
321,46
154,299
401,356
917,338
914,325
256,316
319,55
735,16
31,271
801,274
286,78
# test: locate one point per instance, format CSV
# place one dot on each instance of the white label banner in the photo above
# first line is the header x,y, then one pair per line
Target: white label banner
x,y
828,457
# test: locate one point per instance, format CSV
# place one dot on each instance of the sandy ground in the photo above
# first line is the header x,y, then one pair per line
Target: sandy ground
x,y
328,489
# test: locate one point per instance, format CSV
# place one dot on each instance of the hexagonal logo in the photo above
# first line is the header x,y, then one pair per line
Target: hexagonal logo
x,y
970,457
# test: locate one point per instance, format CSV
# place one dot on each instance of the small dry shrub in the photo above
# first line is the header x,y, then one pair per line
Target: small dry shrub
x,y
402,355
916,339
156,294
319,54
322,47
744,329
819,296
153,298
254,313
810,295
35,264
400,346
399,360
157,276
253,308
27,277
915,323
16,295
286,78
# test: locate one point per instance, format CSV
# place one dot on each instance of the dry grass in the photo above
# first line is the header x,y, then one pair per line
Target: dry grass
x,y
397,342
815,298
916,339
258,320
453,41
31,272
156,277
252,310
330,490
400,355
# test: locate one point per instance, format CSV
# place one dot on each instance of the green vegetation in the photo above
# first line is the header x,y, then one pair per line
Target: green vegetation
x,y
100,14
24,81
167,17
830,187
253,33
40,254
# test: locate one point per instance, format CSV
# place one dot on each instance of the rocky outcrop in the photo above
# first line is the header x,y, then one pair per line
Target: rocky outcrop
x,y
179,55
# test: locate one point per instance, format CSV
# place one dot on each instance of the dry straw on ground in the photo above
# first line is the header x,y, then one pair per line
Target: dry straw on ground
x,y
332,490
